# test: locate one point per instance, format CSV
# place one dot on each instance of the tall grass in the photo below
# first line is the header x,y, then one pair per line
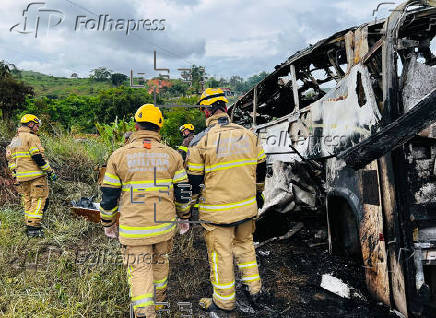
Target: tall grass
x,y
65,273
75,159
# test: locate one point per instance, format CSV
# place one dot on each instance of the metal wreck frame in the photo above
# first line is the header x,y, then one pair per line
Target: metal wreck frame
x,y
361,105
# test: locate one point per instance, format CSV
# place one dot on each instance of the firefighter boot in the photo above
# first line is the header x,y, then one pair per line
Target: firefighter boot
x,y
208,305
33,231
258,300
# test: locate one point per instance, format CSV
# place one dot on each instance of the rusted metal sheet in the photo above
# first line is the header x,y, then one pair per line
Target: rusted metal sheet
x,y
89,214
391,234
361,47
373,244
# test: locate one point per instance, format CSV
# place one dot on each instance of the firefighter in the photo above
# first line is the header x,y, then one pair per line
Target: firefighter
x,y
224,163
29,167
187,132
144,183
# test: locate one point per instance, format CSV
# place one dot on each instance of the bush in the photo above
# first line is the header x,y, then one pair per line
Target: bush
x,y
75,159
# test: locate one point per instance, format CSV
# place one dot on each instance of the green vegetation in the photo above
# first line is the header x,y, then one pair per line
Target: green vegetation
x,y
113,134
13,92
75,271
59,87
65,274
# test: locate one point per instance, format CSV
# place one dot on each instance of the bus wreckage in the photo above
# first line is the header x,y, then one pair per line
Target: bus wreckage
x,y
347,125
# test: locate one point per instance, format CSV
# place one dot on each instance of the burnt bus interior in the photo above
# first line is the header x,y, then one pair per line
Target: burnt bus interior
x,y
388,216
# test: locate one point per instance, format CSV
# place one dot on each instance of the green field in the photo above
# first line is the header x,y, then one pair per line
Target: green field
x,y
55,87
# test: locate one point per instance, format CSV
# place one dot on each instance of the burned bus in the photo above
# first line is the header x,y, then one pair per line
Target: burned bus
x,y
355,113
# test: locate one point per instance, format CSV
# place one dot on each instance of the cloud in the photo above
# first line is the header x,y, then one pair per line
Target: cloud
x,y
228,37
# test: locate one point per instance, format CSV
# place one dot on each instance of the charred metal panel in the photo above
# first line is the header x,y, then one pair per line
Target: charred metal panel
x,y
419,80
373,245
339,122
370,187
393,135
392,234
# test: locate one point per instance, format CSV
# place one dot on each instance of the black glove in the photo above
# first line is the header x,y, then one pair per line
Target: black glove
x,y
52,176
260,199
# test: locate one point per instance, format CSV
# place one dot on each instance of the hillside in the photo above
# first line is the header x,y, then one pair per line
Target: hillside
x,y
51,86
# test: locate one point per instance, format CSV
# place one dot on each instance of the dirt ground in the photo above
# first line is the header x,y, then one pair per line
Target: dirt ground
x,y
291,273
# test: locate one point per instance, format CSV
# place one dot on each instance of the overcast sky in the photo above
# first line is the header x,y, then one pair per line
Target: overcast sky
x,y
228,37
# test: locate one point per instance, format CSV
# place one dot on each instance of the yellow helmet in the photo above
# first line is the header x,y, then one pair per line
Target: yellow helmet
x,y
149,113
29,118
186,126
212,95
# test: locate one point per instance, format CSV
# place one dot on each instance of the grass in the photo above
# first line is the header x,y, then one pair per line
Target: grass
x,y
42,277
46,85
64,274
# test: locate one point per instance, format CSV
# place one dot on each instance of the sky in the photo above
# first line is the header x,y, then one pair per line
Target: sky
x,y
228,37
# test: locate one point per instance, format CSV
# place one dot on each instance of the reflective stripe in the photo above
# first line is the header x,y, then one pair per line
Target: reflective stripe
x,y
138,232
247,265
104,214
25,174
38,207
223,207
161,284
229,297
195,166
215,267
33,216
261,155
230,164
12,165
148,185
182,207
33,150
129,279
250,278
228,286
185,149
36,214
45,167
180,175
21,155
111,179
143,300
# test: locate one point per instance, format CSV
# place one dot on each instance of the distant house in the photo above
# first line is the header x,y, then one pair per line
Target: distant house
x,y
158,84
228,91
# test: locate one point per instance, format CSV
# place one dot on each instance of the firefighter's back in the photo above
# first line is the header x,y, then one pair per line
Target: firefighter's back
x,y
145,170
230,155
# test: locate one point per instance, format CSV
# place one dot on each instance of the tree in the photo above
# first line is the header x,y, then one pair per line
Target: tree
x,y
118,79
177,89
212,83
6,69
235,81
174,118
198,75
101,74
13,95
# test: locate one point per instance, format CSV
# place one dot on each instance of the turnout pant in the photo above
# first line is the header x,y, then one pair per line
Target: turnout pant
x,y
34,196
147,273
222,244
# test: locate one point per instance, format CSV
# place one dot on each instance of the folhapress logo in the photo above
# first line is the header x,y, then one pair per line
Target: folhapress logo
x,y
37,16
33,14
